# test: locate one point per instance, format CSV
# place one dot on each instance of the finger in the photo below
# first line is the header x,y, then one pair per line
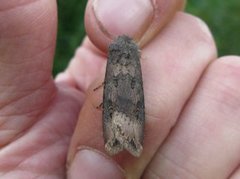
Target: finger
x,y
27,41
173,63
86,165
236,173
205,143
144,19
148,18
87,63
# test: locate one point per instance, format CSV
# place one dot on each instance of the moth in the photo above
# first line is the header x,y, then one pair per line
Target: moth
x,y
123,98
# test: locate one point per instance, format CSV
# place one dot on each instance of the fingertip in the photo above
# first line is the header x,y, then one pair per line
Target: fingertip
x,y
104,22
89,163
140,20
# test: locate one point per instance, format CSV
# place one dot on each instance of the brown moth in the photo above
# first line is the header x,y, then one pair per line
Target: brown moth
x,y
123,98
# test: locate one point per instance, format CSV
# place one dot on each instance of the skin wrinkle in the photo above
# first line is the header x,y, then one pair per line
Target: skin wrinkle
x,y
37,153
55,131
39,73
35,23
151,174
43,146
25,34
29,114
49,47
4,123
21,63
163,113
34,118
182,169
75,84
40,18
140,34
234,172
20,133
25,3
110,36
152,30
83,49
103,155
23,128
71,82
41,51
86,48
87,44
104,31
225,90
27,95
7,133
31,155
233,103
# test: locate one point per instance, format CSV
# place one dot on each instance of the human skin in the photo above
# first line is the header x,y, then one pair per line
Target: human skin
x,y
191,96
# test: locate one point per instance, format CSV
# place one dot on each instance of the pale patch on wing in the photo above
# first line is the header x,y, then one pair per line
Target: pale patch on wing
x,y
126,134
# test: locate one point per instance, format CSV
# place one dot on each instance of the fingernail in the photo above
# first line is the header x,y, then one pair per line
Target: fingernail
x,y
130,17
91,164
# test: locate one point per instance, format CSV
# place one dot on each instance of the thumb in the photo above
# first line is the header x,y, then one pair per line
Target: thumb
x,y
27,43
139,19
89,163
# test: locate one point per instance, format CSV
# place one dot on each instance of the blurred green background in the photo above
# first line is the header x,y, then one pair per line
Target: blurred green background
x,y
223,18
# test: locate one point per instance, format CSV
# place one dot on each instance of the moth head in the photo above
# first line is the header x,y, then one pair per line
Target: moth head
x,y
123,50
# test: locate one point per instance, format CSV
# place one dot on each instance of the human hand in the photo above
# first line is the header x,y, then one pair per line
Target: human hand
x,y
186,90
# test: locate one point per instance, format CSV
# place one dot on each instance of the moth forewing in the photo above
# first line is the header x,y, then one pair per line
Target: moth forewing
x,y
123,98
